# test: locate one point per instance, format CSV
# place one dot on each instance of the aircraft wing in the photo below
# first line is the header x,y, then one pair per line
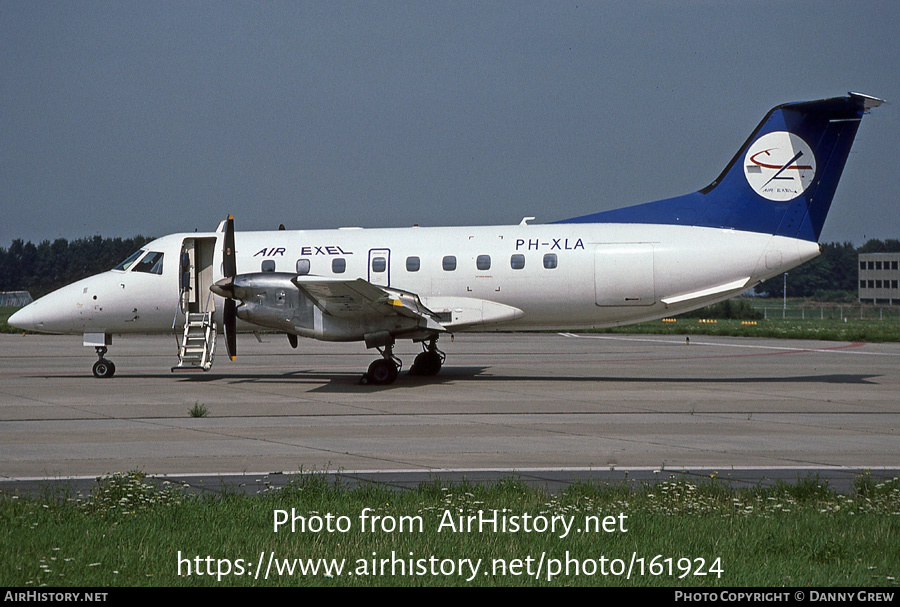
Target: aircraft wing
x,y
359,298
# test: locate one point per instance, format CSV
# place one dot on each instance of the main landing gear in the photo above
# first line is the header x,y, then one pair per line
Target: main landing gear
x,y
384,371
103,368
429,361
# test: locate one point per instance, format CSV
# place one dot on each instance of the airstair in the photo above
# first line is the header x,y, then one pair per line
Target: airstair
x,y
198,343
196,306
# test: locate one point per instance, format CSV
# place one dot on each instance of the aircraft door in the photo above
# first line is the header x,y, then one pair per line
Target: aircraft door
x,y
380,267
186,275
195,274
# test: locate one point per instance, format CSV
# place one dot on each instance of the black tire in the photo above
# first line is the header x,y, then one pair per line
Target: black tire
x,y
382,372
104,368
426,364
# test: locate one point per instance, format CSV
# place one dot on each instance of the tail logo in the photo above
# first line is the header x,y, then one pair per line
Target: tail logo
x,y
779,166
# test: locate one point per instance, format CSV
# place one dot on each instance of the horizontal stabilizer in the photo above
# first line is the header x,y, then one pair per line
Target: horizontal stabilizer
x,y
731,287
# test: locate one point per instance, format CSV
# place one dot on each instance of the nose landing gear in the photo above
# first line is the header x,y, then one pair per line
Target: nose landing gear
x,y
103,368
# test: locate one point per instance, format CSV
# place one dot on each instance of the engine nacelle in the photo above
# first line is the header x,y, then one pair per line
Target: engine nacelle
x,y
270,299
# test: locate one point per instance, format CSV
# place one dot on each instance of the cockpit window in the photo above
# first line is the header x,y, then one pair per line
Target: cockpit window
x,y
152,263
127,263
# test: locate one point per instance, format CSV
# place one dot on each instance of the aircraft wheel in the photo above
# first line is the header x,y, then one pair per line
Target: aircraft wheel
x,y
427,363
104,368
382,372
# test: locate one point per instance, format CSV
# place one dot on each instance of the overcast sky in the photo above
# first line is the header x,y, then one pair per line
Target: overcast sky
x,y
125,118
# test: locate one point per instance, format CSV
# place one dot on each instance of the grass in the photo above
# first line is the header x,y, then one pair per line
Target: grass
x,y
800,319
830,330
129,532
198,410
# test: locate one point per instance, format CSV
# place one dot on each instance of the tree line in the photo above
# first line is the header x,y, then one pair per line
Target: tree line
x,y
44,267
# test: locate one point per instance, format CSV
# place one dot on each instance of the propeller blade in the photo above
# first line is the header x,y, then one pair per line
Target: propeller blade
x,y
292,339
229,265
225,288
230,328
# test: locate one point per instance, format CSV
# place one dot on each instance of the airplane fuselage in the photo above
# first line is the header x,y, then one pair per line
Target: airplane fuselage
x,y
554,276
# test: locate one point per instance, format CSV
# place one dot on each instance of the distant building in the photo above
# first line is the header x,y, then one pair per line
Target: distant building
x,y
879,278
15,299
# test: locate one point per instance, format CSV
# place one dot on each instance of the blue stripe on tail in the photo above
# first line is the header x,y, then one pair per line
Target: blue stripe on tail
x,y
781,181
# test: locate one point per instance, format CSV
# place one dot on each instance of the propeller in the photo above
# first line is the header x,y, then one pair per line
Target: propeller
x,y
225,288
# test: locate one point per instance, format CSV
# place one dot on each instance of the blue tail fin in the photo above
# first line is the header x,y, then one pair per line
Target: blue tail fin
x,y
781,181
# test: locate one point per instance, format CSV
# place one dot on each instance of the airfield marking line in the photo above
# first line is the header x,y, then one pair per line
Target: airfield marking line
x,y
855,344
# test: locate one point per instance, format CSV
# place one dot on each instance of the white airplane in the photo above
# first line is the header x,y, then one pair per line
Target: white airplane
x,y
761,217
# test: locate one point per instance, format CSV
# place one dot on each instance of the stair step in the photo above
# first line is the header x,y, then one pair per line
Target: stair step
x,y
198,343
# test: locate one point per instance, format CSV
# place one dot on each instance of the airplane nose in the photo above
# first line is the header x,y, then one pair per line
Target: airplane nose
x,y
24,318
53,313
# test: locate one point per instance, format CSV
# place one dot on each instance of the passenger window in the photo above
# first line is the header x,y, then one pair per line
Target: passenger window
x,y
379,264
338,265
483,262
449,263
412,264
268,265
550,260
302,266
152,263
517,261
